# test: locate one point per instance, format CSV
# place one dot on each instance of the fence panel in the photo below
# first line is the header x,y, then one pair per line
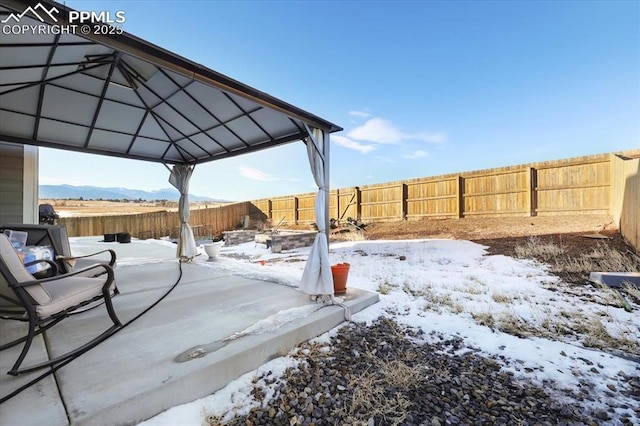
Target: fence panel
x,y
382,202
347,203
333,203
205,222
306,211
213,221
264,206
494,193
283,210
432,198
576,186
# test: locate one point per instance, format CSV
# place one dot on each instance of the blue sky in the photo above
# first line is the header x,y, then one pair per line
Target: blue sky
x,y
421,88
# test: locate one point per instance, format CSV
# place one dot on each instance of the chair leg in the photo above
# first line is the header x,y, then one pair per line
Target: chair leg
x,y
41,328
28,339
111,311
68,356
16,370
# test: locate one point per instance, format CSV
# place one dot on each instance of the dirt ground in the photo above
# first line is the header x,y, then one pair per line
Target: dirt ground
x,y
576,233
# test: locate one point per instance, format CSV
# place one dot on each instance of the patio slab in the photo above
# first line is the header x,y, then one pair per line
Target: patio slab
x,y
135,375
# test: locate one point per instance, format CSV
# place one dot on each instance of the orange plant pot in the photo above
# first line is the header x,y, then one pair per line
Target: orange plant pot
x,y
340,273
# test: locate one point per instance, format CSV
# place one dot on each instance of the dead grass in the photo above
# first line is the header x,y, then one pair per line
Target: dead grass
x,y
348,235
484,318
386,287
501,298
371,397
610,296
535,248
510,323
597,336
567,326
554,328
632,290
602,258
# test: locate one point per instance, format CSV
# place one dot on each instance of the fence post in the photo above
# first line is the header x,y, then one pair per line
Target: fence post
x,y
295,210
358,198
532,193
460,197
403,201
616,188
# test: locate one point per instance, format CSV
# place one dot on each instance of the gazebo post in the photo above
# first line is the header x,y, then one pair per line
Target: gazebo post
x,y
326,166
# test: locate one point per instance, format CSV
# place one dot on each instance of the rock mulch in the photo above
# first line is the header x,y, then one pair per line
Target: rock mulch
x,y
384,374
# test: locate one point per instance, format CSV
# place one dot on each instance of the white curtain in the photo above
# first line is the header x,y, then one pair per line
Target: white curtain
x,y
317,278
179,178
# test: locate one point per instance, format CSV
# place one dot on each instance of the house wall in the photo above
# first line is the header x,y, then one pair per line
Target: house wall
x,y
18,183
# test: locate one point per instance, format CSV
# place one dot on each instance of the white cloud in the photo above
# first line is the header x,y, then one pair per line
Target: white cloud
x,y
351,144
383,131
255,174
360,114
419,153
377,130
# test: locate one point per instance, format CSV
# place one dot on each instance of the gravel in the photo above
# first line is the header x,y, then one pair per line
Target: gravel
x,y
383,374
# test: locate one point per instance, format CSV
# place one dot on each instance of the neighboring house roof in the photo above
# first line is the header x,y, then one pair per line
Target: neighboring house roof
x,y
119,95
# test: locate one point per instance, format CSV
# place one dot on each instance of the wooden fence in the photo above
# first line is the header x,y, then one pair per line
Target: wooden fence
x,y
582,185
204,222
625,200
597,184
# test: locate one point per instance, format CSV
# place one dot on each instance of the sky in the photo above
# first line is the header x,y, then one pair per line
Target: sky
x,y
441,286
421,88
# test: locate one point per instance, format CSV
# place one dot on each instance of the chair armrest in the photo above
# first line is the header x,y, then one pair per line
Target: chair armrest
x,y
108,269
54,266
112,261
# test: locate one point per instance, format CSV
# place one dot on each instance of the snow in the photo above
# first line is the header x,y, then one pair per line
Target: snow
x,y
273,322
441,285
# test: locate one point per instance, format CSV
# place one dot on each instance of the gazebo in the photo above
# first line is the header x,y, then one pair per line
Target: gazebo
x,y
68,86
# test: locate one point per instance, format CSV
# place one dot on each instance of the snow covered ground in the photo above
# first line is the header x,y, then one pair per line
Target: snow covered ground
x,y
455,288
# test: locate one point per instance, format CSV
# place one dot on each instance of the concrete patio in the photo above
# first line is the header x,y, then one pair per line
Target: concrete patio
x,y
134,375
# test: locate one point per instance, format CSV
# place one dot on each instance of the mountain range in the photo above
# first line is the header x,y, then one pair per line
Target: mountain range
x,y
96,193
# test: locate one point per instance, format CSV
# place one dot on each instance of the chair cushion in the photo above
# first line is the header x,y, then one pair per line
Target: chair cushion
x,y
69,292
6,291
19,272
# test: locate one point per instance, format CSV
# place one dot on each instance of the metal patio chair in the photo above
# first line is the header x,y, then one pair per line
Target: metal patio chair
x,y
45,302
56,237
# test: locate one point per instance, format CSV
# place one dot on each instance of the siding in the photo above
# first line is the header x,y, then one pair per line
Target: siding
x,y
11,183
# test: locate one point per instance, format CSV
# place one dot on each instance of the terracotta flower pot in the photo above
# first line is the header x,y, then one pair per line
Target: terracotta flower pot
x,y
340,273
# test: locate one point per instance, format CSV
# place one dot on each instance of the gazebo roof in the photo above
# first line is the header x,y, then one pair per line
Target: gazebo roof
x,y
118,95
